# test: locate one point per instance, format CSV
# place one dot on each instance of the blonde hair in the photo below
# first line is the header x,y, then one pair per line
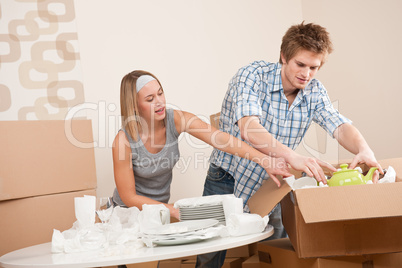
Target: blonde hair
x,y
129,103
311,37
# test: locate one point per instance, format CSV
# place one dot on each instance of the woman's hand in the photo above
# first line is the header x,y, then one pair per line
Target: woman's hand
x,y
174,212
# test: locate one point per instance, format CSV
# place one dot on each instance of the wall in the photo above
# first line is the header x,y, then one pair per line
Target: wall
x,y
63,59
194,47
362,75
40,68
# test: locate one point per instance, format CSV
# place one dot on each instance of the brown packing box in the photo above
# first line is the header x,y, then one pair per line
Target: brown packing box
x,y
152,264
174,263
45,157
337,221
279,253
251,262
30,221
242,251
178,262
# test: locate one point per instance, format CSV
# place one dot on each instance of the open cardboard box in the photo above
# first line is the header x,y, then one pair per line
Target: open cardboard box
x,y
280,253
337,221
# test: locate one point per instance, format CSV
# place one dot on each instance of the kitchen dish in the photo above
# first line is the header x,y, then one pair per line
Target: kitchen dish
x,y
214,211
177,241
181,227
347,176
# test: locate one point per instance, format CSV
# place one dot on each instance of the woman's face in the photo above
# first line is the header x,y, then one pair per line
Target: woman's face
x,y
152,102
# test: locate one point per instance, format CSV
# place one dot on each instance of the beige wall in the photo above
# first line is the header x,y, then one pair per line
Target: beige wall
x,y
194,47
77,52
363,74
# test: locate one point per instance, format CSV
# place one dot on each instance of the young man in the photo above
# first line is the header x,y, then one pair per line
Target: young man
x,y
271,106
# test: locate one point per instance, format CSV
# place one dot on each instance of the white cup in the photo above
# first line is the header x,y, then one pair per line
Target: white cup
x,y
304,182
153,216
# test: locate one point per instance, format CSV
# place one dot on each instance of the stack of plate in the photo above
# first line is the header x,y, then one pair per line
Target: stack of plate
x,y
204,211
180,232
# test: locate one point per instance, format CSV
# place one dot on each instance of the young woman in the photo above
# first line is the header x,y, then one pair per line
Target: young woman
x,y
145,150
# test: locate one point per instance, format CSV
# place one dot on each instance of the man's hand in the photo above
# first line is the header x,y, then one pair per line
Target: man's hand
x,y
352,140
367,157
310,165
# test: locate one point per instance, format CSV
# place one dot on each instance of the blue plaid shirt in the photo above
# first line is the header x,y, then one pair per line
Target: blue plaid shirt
x,y
256,90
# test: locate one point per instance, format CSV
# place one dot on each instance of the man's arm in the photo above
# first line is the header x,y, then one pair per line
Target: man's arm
x,y
352,140
252,131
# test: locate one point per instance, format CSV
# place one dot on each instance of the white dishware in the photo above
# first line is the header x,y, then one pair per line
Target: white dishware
x,y
153,216
304,182
204,211
181,227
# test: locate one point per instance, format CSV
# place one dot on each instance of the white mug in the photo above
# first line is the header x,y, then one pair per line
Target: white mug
x,y
153,216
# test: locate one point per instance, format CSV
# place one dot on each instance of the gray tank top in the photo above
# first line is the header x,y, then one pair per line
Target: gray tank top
x,y
153,172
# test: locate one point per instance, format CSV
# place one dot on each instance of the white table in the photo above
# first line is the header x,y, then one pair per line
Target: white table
x,y
41,256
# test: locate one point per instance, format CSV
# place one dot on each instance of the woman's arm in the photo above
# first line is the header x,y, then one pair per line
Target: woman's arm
x,y
252,131
187,122
124,176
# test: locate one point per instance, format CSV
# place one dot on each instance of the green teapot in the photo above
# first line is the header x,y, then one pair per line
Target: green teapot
x,y
347,176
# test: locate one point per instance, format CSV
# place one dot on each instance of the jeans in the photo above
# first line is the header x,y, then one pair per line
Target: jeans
x,y
218,181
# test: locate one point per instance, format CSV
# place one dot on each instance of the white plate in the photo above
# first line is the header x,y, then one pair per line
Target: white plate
x,y
181,227
202,207
201,211
201,217
207,215
177,241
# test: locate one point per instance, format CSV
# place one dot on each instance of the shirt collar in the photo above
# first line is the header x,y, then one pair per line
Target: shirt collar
x,y
278,82
277,79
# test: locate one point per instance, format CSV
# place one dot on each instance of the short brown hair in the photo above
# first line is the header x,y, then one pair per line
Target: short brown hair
x,y
311,37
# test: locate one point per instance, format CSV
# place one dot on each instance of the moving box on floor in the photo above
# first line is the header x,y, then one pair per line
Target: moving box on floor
x,y
337,221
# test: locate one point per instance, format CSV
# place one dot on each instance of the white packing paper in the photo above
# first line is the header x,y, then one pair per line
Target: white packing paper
x,y
85,210
122,229
232,205
245,223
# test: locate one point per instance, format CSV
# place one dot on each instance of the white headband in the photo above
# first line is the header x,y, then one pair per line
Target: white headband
x,y
143,80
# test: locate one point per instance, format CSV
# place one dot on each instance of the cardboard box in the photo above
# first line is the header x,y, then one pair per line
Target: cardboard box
x,y
252,262
280,253
45,157
188,261
242,251
152,264
337,221
174,263
29,221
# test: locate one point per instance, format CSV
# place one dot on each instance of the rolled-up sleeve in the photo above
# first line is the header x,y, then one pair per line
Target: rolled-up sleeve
x,y
246,99
326,115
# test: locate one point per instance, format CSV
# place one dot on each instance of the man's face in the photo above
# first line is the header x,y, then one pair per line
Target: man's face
x,y
299,70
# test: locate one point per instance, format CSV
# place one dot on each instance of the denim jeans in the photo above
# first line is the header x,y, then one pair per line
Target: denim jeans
x,y
218,181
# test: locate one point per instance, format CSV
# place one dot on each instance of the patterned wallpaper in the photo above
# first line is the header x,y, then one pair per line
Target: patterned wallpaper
x,y
40,71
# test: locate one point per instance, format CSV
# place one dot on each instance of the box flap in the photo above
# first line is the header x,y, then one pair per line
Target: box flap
x,y
350,202
267,196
